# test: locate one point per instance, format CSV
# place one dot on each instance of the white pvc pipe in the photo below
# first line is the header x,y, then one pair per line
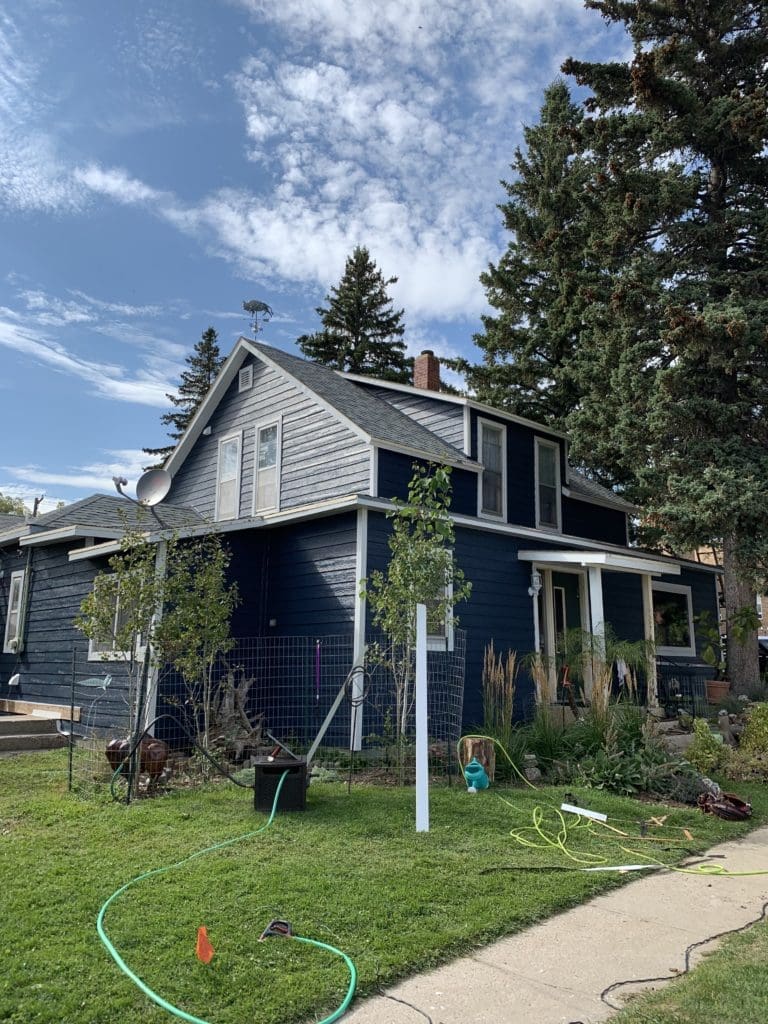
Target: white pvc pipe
x,y
422,755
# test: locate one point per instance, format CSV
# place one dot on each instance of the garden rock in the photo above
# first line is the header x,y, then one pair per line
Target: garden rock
x,y
676,743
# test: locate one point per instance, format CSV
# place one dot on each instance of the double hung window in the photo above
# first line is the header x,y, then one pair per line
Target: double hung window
x,y
228,478
547,484
492,446
266,493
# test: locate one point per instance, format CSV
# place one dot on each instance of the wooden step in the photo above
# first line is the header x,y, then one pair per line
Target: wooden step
x,y
16,725
31,741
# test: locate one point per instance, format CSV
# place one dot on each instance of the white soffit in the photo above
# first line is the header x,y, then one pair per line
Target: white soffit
x,y
608,560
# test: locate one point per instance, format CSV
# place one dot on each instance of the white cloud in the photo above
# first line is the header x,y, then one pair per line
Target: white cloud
x,y
116,183
108,380
96,476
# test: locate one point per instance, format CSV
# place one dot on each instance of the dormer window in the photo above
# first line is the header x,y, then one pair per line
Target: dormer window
x,y
547,484
493,456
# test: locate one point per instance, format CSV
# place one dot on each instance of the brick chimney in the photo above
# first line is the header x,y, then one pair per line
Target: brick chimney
x,y
426,371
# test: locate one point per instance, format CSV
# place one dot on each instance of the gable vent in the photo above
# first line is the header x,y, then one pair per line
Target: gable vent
x,y
245,379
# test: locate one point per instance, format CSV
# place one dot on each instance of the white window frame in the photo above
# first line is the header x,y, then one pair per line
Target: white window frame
x,y
236,436
444,641
114,654
541,442
482,426
275,422
11,639
677,588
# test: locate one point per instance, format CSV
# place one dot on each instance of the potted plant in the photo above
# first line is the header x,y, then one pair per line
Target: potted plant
x,y
742,625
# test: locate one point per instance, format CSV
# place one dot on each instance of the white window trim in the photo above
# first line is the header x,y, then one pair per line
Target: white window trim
x,y
677,652
10,643
541,442
275,421
235,436
114,654
444,641
481,426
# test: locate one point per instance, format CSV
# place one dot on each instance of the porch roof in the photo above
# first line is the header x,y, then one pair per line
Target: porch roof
x,y
608,560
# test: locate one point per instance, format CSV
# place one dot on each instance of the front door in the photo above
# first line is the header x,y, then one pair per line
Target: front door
x,y
561,609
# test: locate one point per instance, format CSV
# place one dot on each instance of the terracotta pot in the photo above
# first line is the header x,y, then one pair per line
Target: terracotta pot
x,y
717,690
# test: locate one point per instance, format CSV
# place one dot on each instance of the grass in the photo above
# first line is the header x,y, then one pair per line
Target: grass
x,y
729,987
350,871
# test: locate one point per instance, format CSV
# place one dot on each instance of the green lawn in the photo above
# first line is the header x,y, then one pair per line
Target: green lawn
x,y
349,871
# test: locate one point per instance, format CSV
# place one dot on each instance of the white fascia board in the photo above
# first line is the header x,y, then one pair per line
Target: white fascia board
x,y
207,407
441,396
15,534
67,533
110,547
609,560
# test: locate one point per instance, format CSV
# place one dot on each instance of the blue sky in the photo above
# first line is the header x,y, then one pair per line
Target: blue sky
x,y
161,162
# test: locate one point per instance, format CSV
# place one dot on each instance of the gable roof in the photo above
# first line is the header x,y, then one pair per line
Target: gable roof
x,y
373,419
381,422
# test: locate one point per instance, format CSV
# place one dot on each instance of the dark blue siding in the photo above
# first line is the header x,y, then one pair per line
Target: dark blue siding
x,y
499,607
302,576
595,522
623,604
396,471
56,589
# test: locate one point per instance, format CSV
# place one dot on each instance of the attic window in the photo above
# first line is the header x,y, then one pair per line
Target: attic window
x,y
245,378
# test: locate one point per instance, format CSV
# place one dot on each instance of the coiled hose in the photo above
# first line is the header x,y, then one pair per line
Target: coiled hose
x,y
154,996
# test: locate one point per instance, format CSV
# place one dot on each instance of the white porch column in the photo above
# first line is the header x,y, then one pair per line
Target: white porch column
x,y
650,637
596,613
358,655
550,640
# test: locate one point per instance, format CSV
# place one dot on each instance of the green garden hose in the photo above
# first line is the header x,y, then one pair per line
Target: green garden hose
x,y
174,1010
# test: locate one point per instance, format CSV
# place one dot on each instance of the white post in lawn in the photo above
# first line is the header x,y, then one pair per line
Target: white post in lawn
x,y
422,758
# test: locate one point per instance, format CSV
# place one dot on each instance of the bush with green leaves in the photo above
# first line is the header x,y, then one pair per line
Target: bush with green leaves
x,y
705,753
755,736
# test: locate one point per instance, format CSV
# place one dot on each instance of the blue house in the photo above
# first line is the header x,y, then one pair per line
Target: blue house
x,y
296,465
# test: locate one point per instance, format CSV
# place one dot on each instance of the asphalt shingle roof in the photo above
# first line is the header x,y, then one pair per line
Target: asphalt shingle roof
x,y
582,487
103,511
375,417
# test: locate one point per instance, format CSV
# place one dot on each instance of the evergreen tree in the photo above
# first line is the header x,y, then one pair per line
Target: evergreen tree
x,y
528,344
673,360
361,331
204,364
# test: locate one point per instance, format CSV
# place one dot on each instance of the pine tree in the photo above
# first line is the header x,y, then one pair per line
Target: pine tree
x,y
204,364
527,345
673,360
361,330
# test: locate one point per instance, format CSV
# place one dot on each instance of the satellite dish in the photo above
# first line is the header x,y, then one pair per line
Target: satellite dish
x,y
153,486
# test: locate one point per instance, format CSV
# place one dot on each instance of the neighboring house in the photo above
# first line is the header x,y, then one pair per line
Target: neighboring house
x,y
295,464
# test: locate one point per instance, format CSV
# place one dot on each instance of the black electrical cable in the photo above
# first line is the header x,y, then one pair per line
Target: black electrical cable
x,y
405,1002
687,960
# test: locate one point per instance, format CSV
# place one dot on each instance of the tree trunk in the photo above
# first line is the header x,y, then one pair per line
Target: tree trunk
x,y
743,669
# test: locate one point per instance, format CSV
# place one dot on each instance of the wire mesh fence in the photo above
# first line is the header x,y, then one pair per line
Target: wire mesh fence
x,y
265,696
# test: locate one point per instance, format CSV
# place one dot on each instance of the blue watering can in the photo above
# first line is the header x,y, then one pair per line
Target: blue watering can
x,y
475,776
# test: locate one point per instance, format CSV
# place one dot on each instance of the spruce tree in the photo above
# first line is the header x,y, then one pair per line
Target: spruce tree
x,y
527,345
361,330
673,359
204,364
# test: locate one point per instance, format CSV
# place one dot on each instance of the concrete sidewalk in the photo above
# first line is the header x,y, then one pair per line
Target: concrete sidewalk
x,y
554,972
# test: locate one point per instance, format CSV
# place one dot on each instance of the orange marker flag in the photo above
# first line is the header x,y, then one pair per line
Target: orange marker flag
x,y
203,950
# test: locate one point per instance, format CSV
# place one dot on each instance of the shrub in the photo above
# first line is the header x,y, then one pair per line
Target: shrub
x,y
705,753
755,737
